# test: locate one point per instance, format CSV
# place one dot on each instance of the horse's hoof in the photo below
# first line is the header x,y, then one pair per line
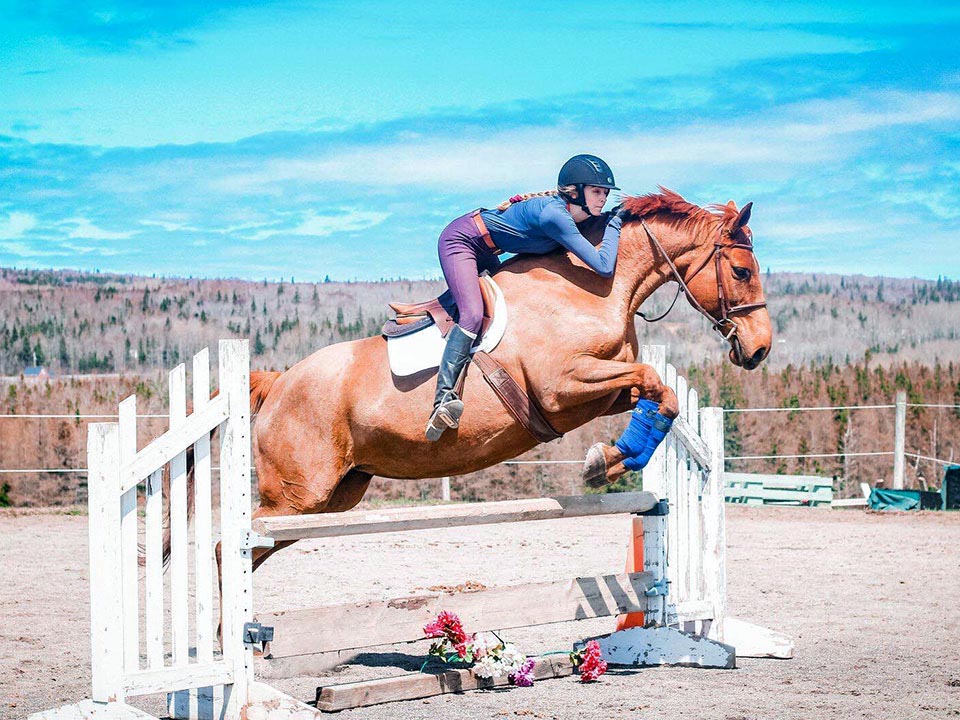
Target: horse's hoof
x,y
594,472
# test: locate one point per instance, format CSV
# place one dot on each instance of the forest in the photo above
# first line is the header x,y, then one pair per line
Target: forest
x,y
838,341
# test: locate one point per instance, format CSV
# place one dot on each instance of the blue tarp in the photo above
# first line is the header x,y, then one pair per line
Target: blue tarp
x,y
881,499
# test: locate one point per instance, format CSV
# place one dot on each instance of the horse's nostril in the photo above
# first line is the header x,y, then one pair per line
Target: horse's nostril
x,y
758,357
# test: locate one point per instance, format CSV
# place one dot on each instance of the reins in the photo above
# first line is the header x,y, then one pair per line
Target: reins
x,y
725,325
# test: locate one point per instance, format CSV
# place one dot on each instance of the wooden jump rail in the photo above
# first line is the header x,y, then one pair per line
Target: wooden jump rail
x,y
677,588
368,522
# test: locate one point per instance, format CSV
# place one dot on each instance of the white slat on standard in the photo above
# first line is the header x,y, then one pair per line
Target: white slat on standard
x,y
237,570
106,590
154,573
655,561
179,614
653,474
693,526
674,558
683,503
714,536
202,523
129,540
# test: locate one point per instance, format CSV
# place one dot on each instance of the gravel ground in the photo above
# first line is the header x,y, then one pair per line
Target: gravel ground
x,y
871,600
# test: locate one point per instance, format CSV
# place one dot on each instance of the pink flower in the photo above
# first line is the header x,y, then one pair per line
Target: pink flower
x,y
524,676
593,665
446,625
461,649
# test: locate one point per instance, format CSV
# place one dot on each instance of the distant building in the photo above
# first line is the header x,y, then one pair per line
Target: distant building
x,y
36,372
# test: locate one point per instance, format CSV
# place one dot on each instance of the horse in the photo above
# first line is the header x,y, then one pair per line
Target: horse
x,y
327,425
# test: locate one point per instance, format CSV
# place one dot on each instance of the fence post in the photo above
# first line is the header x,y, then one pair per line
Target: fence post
x,y
237,591
106,570
714,535
445,488
899,440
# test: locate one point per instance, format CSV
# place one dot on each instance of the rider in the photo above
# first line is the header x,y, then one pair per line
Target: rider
x,y
537,223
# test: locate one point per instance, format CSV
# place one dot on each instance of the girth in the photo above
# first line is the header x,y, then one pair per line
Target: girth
x,y
523,407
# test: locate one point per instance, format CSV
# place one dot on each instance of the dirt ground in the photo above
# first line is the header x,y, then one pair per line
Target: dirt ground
x,y
871,600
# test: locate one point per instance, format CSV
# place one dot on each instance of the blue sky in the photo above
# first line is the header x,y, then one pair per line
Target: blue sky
x,y
293,139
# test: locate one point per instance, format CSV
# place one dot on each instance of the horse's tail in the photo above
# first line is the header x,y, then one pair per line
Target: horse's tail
x,y
260,384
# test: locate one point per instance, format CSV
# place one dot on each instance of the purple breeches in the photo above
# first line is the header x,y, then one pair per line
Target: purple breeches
x,y
463,256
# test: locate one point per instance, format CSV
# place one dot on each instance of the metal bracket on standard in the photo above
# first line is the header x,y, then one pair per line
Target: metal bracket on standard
x,y
660,587
256,634
253,540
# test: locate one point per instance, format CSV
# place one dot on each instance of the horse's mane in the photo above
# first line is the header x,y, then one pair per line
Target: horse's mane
x,y
682,212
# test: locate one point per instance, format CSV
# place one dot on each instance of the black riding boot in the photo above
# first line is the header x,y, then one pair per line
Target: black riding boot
x,y
447,407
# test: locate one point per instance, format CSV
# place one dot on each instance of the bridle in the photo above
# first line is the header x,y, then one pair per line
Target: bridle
x,y
725,325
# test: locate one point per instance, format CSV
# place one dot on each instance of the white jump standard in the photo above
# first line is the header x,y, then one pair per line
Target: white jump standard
x,y
675,575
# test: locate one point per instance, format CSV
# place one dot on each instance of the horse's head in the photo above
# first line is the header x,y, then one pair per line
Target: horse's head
x,y
726,284
709,251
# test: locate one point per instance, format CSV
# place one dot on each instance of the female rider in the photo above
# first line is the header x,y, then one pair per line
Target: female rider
x,y
535,224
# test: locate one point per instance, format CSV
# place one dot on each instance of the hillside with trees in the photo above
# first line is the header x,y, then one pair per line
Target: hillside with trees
x,y
838,340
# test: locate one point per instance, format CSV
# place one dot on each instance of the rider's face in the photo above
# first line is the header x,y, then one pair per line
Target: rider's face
x,y
596,198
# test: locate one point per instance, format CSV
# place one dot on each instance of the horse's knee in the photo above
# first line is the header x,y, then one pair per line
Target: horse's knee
x,y
651,386
669,406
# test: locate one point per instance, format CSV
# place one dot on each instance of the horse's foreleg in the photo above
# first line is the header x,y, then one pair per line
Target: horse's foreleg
x,y
587,378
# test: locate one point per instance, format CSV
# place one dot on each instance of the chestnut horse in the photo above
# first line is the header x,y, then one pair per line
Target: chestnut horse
x,y
328,424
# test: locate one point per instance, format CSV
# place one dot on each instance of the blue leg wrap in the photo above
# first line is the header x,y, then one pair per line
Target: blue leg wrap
x,y
646,431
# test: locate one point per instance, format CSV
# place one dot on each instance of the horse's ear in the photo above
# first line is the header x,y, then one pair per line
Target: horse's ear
x,y
731,204
742,219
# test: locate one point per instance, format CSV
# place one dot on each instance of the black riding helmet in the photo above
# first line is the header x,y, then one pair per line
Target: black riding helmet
x,y
583,170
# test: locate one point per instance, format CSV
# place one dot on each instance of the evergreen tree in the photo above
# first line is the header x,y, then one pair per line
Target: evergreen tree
x,y
62,354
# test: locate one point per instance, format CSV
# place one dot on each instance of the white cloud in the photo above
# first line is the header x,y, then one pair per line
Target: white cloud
x,y
768,144
86,230
16,224
320,225
23,250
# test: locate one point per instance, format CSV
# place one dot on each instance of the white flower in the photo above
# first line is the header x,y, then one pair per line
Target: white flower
x,y
512,658
484,644
488,667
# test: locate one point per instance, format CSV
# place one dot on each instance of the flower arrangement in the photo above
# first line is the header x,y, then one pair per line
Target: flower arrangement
x,y
490,655
590,661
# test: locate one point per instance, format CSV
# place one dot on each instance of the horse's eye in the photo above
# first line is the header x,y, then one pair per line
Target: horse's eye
x,y
741,273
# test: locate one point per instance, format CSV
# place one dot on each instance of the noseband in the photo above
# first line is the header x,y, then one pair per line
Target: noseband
x,y
725,325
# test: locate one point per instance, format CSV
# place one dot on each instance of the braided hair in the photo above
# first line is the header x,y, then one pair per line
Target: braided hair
x,y
563,192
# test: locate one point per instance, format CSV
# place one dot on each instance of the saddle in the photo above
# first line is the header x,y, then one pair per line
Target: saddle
x,y
442,312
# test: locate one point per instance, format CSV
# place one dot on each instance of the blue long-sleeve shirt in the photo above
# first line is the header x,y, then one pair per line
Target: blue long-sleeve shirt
x,y
543,224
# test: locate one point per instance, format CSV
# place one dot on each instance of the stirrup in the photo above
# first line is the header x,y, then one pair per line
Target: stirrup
x,y
445,415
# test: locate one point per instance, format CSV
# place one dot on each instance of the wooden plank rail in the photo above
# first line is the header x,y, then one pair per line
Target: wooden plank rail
x,y
367,522
386,622
412,686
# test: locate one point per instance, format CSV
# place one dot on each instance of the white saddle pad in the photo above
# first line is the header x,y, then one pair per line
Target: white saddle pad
x,y
421,350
